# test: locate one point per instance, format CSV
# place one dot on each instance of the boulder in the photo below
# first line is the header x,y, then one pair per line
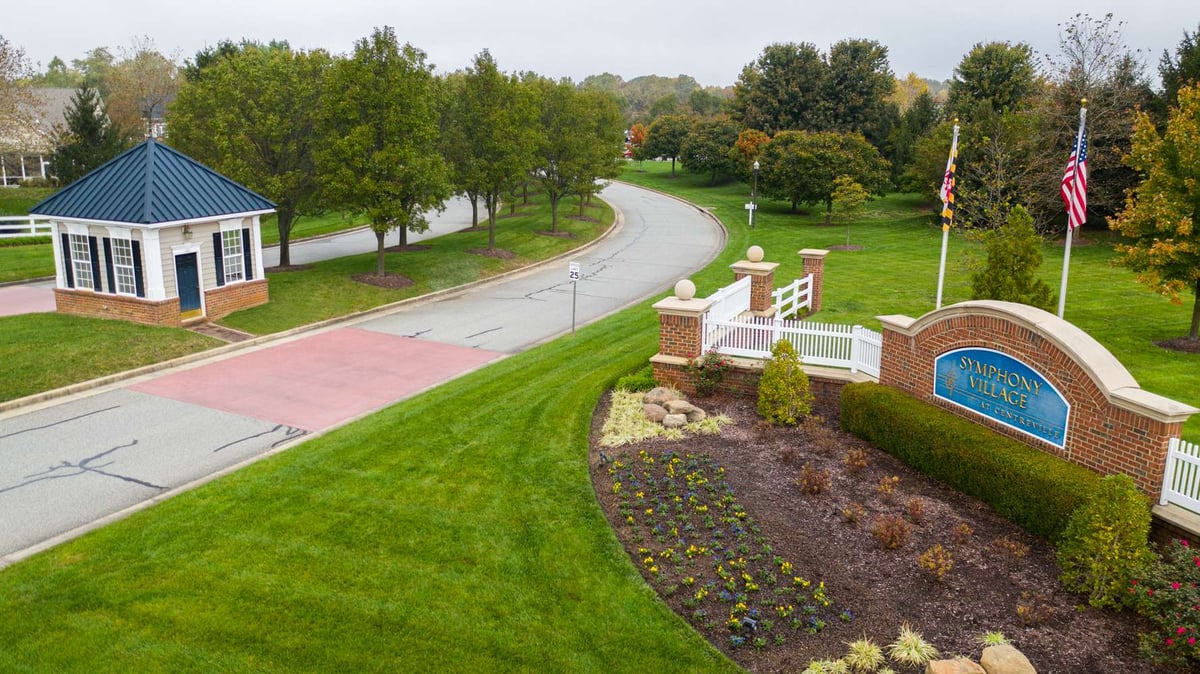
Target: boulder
x,y
659,396
679,406
696,414
655,413
955,666
675,420
1005,659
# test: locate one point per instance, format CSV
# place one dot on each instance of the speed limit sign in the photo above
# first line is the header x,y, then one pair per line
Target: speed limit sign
x,y
573,271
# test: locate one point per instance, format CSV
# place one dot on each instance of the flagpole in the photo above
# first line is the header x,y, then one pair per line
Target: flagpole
x,y
946,225
1062,291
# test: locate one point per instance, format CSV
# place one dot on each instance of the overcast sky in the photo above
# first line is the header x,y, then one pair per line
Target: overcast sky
x,y
706,39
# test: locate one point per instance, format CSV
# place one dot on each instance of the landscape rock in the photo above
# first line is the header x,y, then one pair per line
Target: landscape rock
x,y
659,396
675,421
696,414
679,406
655,413
955,666
1005,659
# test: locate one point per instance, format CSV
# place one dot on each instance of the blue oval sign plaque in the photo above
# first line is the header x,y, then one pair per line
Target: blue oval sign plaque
x,y
1002,388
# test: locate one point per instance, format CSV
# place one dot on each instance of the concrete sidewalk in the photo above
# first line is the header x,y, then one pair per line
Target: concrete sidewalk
x,y
74,464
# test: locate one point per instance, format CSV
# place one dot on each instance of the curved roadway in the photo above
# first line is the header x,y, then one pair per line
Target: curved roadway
x,y
77,463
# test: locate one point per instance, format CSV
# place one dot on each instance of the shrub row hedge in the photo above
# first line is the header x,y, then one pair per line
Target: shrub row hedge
x,y
1036,490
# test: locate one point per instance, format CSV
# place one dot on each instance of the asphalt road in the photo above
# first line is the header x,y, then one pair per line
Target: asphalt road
x,y
72,465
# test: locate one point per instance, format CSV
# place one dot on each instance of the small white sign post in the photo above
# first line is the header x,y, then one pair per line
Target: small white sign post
x,y
574,274
751,207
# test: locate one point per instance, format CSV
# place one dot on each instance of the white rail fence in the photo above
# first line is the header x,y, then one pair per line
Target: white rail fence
x,y
1181,480
791,299
12,227
731,300
845,346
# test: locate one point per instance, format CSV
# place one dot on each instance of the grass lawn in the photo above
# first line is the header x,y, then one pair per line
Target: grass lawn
x,y
28,260
311,225
327,290
456,531
41,352
896,273
18,200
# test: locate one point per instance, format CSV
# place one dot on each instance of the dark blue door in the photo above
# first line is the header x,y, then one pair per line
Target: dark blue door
x,y
187,278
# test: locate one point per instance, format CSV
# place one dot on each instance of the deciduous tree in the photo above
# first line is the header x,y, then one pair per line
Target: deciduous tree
x,y
666,137
253,117
89,139
857,85
1162,213
848,200
139,87
709,148
783,89
15,99
378,142
802,166
999,73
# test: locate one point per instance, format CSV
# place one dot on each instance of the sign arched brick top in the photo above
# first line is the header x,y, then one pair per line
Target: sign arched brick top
x,y
1112,426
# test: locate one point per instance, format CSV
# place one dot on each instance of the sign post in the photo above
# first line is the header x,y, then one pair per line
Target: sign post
x,y
574,274
751,207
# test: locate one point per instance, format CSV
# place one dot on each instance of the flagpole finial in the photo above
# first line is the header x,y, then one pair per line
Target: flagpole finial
x,y
1083,102
956,121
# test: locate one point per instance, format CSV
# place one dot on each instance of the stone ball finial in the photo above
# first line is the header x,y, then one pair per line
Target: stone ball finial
x,y
685,289
754,253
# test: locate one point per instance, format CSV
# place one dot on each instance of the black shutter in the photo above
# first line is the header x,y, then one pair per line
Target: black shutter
x,y
246,254
219,258
108,265
93,249
137,268
66,252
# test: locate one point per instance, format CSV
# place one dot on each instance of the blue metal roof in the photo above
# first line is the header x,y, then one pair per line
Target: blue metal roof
x,y
150,184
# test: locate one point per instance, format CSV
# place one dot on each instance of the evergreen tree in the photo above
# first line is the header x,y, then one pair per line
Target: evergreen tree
x,y
89,139
1013,257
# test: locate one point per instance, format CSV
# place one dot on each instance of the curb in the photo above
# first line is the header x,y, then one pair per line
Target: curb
x,y
233,349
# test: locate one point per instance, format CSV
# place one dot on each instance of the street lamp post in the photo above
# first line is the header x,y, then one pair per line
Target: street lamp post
x,y
754,196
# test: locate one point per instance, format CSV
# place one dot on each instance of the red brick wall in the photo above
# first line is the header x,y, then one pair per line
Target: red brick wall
x,y
1101,436
761,286
225,300
85,303
816,267
680,335
742,381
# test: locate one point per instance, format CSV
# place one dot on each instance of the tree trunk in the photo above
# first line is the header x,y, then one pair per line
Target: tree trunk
x,y
525,193
554,211
474,210
403,241
283,223
793,205
491,210
714,178
581,205
672,167
379,266
828,211
1194,333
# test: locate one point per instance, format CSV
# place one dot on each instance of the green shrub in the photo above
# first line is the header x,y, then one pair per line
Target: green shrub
x,y
1034,489
784,396
1168,594
707,372
639,380
1106,542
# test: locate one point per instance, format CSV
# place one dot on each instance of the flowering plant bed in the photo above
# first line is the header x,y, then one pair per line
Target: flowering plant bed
x,y
839,541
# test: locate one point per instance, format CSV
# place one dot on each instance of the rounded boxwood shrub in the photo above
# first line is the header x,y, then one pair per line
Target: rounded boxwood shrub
x,y
784,396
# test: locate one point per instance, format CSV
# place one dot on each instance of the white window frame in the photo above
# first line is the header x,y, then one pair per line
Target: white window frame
x,y
233,260
81,261
126,285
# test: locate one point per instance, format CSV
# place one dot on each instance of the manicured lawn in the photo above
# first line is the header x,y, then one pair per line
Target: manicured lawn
x,y
896,273
328,289
18,200
41,352
456,531
33,260
311,225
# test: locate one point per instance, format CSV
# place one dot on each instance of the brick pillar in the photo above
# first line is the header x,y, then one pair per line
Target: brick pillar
x,y
680,334
762,283
814,263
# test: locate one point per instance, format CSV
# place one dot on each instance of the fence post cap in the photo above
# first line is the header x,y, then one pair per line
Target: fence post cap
x,y
818,253
754,253
685,289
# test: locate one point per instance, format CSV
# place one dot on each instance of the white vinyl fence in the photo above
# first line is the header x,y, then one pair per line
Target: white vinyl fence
x,y
791,299
1181,480
731,300
12,227
846,346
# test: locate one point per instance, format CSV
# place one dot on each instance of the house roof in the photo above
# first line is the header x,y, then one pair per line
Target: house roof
x,y
151,184
39,116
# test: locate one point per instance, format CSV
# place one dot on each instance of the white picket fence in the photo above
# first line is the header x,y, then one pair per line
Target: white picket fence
x,y
731,300
827,344
1181,480
12,227
793,298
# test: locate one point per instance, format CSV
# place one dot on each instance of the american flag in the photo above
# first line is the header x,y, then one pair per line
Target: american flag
x,y
1074,183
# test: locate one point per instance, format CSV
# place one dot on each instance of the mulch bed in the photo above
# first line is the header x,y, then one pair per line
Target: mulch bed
x,y
390,281
880,588
287,268
1181,344
498,253
561,235
408,248
581,218
473,228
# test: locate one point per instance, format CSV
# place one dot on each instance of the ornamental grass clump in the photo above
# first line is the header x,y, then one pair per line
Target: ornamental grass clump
x,y
1105,545
627,423
864,656
784,395
910,648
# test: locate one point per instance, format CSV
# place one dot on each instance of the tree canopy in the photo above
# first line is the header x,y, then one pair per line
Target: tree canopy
x,y
1161,213
1182,68
665,137
1000,74
803,166
782,89
709,147
89,139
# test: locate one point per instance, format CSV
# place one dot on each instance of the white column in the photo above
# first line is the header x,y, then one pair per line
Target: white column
x,y
256,241
152,265
60,274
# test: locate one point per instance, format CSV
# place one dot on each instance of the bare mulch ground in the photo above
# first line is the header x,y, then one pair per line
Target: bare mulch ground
x,y
581,218
882,588
1181,344
498,253
560,234
408,248
389,280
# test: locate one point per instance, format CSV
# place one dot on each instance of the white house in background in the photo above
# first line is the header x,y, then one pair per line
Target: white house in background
x,y
25,151
155,237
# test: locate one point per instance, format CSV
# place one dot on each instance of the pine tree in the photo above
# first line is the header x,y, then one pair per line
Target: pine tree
x,y
1013,257
88,141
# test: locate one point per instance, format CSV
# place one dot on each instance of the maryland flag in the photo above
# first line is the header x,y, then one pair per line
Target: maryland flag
x,y
949,184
